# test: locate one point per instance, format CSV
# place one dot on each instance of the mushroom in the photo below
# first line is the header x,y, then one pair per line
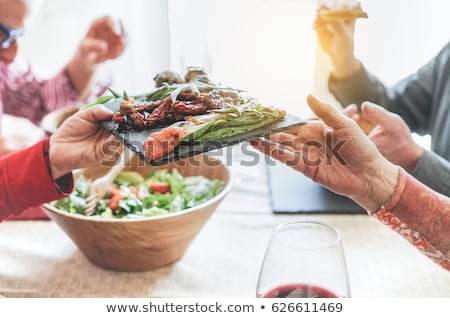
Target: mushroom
x,y
193,72
168,77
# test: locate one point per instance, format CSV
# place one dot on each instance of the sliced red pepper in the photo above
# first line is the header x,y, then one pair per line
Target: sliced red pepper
x,y
160,187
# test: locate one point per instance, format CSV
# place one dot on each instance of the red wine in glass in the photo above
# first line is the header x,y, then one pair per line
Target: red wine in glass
x,y
297,290
304,259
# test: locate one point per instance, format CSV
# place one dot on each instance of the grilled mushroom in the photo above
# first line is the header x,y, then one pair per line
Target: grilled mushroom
x,y
168,77
193,72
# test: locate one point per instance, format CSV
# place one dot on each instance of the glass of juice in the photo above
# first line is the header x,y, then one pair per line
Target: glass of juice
x,y
304,259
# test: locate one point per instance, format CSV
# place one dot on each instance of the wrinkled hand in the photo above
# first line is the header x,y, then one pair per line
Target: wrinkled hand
x,y
391,135
80,141
336,154
104,40
337,40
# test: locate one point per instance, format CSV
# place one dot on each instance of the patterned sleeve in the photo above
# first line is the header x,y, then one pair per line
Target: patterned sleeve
x,y
421,216
30,96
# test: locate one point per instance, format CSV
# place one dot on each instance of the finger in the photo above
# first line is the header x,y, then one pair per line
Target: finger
x,y
109,30
282,137
350,110
312,131
355,117
90,45
331,116
96,114
293,131
110,25
279,153
322,30
376,114
341,27
319,24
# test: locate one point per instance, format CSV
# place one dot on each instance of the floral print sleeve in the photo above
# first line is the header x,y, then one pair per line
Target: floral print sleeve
x,y
421,216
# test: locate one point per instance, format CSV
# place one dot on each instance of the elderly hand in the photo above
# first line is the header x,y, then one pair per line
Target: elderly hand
x,y
336,154
336,39
80,141
104,40
391,135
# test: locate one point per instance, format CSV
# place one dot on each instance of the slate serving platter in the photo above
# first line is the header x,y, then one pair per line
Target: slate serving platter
x,y
135,139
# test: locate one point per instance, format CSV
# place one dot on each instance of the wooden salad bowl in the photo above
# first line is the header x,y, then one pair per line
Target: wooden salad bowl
x,y
133,245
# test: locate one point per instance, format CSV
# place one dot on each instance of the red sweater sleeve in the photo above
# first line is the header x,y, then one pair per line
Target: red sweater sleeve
x,y
25,180
421,216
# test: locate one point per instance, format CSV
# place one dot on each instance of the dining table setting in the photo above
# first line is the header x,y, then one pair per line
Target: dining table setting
x,y
225,256
191,207
207,216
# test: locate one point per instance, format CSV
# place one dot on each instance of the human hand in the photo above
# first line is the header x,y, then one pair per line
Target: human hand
x,y
352,112
390,134
336,154
337,40
80,141
104,40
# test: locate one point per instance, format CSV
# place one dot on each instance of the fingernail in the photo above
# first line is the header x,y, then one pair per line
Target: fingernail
x,y
367,108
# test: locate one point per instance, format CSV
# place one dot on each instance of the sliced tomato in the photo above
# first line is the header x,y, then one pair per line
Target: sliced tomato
x,y
160,187
114,202
115,192
153,149
163,142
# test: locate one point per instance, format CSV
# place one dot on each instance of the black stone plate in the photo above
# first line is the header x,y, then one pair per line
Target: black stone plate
x,y
135,139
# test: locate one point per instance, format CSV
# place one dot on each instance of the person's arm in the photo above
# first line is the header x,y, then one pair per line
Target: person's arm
x,y
421,216
28,95
411,98
104,40
434,171
41,173
337,154
26,180
393,139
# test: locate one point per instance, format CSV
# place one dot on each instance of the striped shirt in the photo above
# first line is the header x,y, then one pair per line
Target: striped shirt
x,y
24,93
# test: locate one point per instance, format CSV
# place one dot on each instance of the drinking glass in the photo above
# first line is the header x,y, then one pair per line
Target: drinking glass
x,y
304,259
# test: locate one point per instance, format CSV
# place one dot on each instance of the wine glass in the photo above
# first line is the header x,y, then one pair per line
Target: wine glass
x,y
304,259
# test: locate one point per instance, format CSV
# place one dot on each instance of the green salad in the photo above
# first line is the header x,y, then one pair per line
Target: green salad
x,y
135,196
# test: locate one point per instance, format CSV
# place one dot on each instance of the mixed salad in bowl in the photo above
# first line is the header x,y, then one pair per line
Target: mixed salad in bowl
x,y
135,196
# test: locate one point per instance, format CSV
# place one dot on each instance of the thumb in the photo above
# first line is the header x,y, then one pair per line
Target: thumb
x,y
92,48
330,115
374,113
96,114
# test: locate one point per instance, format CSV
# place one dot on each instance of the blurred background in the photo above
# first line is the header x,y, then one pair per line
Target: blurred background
x,y
267,47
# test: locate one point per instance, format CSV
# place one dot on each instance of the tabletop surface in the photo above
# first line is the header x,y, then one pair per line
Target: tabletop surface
x,y
37,259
